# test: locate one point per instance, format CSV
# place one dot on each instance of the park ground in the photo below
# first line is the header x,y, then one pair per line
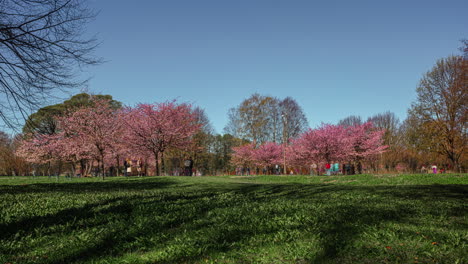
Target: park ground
x,y
261,219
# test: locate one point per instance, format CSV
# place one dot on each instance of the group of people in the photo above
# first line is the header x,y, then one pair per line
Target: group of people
x,y
134,167
329,168
432,169
334,168
129,164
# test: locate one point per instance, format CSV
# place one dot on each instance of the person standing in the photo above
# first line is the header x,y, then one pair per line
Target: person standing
x,y
434,169
314,169
336,168
188,167
129,167
423,169
328,168
139,165
125,167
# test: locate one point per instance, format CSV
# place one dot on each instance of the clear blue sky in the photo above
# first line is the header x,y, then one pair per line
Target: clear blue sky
x,y
336,58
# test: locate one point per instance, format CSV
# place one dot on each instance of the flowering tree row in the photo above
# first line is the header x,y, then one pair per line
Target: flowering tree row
x,y
326,144
100,133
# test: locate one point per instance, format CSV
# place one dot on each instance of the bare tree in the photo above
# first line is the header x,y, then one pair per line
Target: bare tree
x,y
464,48
295,119
234,125
387,121
42,49
442,108
274,123
262,118
202,119
392,137
351,120
250,120
201,141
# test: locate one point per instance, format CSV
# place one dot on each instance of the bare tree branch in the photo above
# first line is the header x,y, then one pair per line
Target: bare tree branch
x,y
42,49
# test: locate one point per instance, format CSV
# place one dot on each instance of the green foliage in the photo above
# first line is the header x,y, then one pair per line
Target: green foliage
x,y
43,121
221,151
265,219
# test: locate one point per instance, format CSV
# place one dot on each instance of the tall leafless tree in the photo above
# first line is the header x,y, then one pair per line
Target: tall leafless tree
x,y
295,119
351,120
389,122
442,108
42,49
392,137
262,118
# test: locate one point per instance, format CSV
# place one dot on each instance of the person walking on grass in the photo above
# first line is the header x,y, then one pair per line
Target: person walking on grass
x,y
336,168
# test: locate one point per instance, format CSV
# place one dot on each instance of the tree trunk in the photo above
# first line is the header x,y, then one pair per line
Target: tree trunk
x,y
60,164
48,169
146,167
82,167
359,167
102,166
73,167
88,168
118,166
163,167
156,163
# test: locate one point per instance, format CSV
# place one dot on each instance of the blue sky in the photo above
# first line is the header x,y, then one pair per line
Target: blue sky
x,y
336,58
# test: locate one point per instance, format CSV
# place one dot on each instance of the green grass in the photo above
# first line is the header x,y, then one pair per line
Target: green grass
x,y
264,219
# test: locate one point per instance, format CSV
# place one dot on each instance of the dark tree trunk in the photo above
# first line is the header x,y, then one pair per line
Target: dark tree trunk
x,y
82,167
73,167
163,167
156,163
102,166
118,166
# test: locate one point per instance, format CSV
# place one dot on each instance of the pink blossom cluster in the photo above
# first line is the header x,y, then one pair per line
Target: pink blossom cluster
x,y
325,144
106,135
263,156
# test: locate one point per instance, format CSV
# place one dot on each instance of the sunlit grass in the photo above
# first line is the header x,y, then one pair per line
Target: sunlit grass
x,y
262,219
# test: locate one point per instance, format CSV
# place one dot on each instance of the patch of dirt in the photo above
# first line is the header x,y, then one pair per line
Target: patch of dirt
x,y
386,175
349,181
330,181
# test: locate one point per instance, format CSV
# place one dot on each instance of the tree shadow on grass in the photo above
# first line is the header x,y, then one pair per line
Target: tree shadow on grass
x,y
194,210
139,184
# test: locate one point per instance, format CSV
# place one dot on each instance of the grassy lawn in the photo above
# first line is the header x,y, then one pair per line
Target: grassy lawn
x,y
264,219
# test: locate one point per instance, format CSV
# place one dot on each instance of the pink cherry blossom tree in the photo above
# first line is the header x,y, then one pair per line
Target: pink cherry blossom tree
x,y
38,149
298,155
325,144
267,154
92,131
158,127
72,150
242,156
35,149
366,142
